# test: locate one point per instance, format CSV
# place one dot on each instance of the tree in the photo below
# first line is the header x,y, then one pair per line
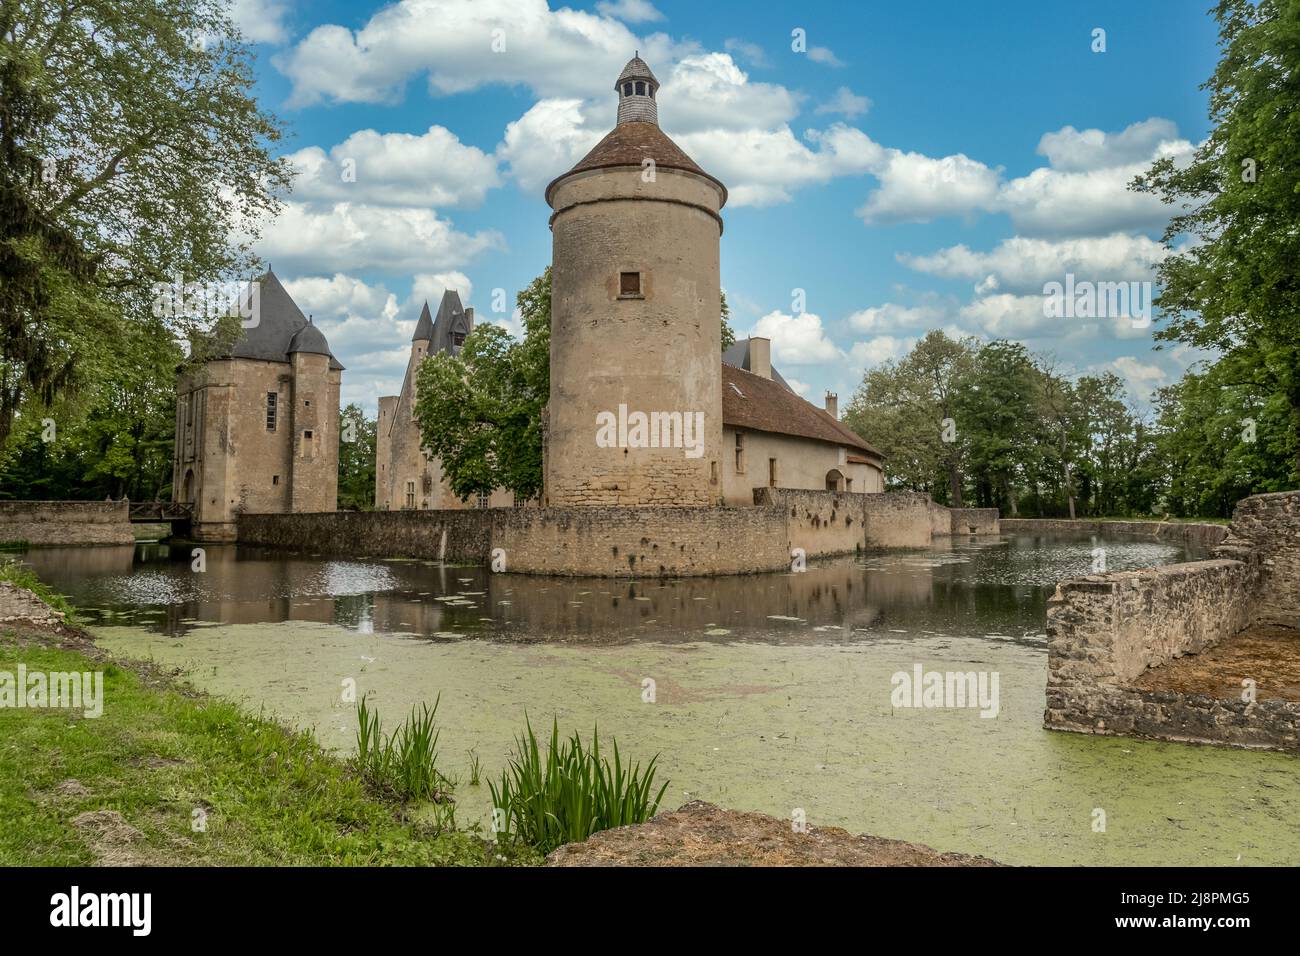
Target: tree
x,y
728,335
1234,288
908,409
995,407
480,411
131,152
356,459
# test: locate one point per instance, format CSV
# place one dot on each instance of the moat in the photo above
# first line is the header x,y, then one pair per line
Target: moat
x,y
771,692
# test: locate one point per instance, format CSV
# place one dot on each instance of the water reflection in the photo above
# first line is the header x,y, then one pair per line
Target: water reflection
x,y
994,588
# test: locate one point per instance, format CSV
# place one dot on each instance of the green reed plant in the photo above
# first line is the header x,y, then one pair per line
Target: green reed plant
x,y
404,763
571,793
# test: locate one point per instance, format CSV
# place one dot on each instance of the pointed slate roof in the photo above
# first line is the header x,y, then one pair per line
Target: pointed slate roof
x,y
451,318
424,327
279,320
636,69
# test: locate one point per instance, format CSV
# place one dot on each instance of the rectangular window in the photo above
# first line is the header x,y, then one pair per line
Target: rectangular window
x,y
740,453
410,494
629,283
457,339
271,399
275,479
307,435
484,501
771,472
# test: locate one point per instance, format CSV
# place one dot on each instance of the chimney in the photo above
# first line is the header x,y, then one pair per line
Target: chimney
x,y
760,356
469,314
833,405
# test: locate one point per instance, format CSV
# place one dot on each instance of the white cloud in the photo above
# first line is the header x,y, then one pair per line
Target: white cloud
x,y
630,11
431,169
797,339
751,52
892,316
547,140
347,236
709,91
880,349
845,102
1142,378
918,188
1021,264
1004,315
261,21
798,387
1072,150
556,53
824,55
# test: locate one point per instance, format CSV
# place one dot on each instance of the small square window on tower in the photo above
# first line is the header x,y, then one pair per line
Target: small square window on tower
x,y
629,283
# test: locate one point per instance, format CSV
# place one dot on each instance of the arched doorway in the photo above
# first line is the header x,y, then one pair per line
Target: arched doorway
x,y
834,480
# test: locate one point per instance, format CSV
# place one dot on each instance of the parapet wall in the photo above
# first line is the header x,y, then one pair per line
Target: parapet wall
x,y
66,522
433,535
1202,536
617,541
1106,630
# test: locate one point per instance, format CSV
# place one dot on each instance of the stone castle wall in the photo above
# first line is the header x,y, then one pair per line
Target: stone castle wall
x,y
1202,536
616,541
65,522
1106,630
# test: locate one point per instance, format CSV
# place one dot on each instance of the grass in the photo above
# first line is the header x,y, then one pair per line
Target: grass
x,y
21,575
159,753
571,794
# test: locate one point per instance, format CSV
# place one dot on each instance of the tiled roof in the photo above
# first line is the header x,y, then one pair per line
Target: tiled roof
x,y
751,401
627,144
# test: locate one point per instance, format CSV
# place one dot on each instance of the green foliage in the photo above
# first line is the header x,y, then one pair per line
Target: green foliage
x,y
481,411
572,793
728,335
404,764
129,154
356,459
1233,289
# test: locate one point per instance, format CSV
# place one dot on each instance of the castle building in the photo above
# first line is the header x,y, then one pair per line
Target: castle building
x,y
257,428
406,476
644,409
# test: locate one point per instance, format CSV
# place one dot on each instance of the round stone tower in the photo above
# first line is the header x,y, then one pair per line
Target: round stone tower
x,y
635,411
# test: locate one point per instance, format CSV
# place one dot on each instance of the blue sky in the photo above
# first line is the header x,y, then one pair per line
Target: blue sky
x,y
916,166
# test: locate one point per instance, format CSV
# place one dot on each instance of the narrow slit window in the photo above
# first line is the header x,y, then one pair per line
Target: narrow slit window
x,y
629,283
271,399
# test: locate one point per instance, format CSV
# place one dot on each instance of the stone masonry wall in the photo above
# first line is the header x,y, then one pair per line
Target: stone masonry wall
x,y
898,519
641,542
974,521
433,535
819,522
1188,533
66,522
1105,630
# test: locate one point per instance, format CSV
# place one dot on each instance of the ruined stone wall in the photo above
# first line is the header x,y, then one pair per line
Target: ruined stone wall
x,y
1202,537
65,522
898,519
1268,526
1105,630
973,521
